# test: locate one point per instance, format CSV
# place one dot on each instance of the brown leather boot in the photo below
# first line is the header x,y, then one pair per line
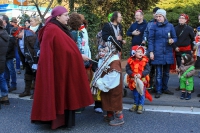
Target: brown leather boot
x,y
4,100
28,83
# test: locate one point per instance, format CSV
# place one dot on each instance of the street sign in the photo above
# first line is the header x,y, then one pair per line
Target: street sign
x,y
21,1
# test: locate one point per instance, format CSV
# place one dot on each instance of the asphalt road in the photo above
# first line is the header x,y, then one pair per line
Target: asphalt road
x,y
15,118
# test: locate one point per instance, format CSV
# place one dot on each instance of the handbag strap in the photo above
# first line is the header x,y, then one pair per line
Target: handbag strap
x,y
182,31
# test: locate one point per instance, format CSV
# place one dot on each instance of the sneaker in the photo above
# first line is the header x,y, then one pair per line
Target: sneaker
x,y
157,95
182,95
188,97
140,109
116,122
134,108
98,110
168,92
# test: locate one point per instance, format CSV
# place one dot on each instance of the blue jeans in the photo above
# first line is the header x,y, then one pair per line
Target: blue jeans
x,y
10,72
138,99
17,58
162,77
3,86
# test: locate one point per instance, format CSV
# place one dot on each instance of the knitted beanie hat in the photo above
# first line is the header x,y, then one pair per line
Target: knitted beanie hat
x,y
161,12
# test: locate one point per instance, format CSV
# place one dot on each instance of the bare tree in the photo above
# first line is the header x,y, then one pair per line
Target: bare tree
x,y
38,3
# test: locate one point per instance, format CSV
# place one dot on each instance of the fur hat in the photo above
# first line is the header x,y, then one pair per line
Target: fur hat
x,y
161,12
188,60
135,48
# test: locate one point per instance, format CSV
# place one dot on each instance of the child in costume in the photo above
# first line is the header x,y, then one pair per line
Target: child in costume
x,y
138,69
186,73
98,105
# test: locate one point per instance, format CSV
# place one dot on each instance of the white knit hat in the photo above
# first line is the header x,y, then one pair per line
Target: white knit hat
x,y
161,12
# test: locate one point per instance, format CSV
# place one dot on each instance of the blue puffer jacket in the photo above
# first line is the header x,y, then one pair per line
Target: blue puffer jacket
x,y
158,43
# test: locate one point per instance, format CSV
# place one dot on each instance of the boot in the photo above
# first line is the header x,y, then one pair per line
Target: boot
x,y
140,109
134,108
4,100
182,95
28,83
188,97
109,117
119,119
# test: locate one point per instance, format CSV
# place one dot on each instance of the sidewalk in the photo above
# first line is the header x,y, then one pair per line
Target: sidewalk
x,y
169,100
164,100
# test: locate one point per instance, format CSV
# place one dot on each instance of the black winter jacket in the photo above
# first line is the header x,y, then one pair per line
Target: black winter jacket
x,y
4,41
12,43
185,36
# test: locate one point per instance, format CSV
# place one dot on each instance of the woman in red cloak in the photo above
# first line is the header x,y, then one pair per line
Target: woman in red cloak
x,y
60,67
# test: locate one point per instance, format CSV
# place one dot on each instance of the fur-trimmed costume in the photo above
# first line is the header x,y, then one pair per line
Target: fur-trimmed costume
x,y
136,66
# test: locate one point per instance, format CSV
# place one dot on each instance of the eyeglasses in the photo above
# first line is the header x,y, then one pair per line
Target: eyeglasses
x,y
181,18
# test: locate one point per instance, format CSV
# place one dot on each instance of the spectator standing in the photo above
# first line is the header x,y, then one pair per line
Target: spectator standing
x,y
111,90
185,38
137,29
9,69
4,42
27,23
145,42
26,41
13,22
162,37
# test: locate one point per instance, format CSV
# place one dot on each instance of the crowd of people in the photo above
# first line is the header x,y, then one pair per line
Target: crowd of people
x,y
59,68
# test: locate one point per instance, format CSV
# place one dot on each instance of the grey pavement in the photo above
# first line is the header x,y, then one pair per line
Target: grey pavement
x,y
15,118
165,100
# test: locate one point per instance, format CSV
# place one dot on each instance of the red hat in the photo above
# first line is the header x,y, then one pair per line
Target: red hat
x,y
135,48
186,17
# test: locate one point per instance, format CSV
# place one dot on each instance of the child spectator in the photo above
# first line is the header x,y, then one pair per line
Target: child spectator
x,y
138,67
186,73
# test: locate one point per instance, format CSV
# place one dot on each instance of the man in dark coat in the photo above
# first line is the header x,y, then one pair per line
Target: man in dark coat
x,y
136,30
111,95
26,41
4,42
9,69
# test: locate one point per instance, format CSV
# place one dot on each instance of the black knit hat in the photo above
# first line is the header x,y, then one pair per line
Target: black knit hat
x,y
187,59
155,9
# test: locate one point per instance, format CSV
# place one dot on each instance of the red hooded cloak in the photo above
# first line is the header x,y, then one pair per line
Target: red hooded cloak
x,y
61,80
